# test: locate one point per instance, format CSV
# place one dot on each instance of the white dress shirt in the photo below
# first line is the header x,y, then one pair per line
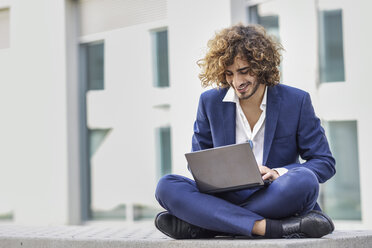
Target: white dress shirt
x,y
243,131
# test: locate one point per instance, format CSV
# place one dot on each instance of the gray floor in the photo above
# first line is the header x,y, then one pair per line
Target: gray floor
x,y
147,236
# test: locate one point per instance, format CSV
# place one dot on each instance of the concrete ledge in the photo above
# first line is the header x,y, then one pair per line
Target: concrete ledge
x,y
12,236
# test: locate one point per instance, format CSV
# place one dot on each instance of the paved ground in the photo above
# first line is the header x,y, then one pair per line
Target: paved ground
x,y
147,236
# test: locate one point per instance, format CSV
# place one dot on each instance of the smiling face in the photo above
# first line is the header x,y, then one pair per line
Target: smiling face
x,y
237,76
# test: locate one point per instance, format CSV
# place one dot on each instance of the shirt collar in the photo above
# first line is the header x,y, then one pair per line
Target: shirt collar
x,y
232,97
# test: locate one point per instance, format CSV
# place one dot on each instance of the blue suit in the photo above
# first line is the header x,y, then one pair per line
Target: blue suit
x,y
291,130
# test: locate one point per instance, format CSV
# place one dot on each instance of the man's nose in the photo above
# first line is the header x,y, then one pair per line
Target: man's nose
x,y
238,79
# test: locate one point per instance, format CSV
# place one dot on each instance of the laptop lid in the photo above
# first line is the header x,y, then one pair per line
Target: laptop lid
x,y
225,168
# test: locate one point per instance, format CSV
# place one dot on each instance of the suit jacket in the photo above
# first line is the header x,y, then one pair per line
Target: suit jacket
x,y
291,129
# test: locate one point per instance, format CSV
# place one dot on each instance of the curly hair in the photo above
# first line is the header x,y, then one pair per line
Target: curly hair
x,y
251,42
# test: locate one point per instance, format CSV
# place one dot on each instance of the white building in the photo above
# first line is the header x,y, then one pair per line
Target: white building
x,y
98,98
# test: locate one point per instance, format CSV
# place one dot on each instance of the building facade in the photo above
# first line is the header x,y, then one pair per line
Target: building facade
x,y
99,99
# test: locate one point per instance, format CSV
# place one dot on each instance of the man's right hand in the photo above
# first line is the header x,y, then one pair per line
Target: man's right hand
x,y
267,173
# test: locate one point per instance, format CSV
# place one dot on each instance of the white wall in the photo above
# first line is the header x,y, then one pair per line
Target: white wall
x,y
6,115
35,116
124,167
351,100
191,25
347,100
7,147
130,99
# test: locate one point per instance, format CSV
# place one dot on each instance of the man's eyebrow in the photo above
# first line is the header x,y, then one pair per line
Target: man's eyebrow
x,y
242,69
239,70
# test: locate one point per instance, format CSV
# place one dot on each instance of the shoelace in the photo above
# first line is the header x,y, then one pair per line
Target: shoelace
x,y
292,230
195,231
295,236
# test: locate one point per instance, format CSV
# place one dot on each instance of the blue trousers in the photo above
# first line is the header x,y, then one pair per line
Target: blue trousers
x,y
294,193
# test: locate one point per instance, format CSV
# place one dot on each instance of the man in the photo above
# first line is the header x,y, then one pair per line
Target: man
x,y
249,105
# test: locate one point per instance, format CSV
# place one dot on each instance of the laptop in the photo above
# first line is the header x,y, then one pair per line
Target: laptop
x,y
225,168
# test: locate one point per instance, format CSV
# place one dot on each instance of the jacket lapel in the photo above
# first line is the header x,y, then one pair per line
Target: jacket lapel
x,y
229,109
272,114
228,119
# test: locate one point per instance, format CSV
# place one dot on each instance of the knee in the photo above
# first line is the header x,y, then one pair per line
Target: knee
x,y
164,185
172,190
304,178
299,180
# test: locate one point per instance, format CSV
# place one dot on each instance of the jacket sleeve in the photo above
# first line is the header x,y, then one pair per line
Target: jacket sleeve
x,y
202,138
312,144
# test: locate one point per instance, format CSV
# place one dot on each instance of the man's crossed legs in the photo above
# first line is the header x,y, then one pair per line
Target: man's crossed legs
x,y
286,206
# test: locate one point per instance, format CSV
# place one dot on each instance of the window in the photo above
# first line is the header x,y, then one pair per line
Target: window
x,y
331,55
163,146
265,15
160,58
92,78
6,213
94,61
340,197
96,137
269,21
4,28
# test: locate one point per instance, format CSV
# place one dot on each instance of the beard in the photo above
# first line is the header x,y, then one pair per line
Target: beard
x,y
256,85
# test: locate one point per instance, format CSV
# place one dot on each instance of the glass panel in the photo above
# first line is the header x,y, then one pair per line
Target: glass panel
x,y
95,66
116,213
6,215
331,55
4,28
96,137
269,22
164,156
160,58
340,196
143,212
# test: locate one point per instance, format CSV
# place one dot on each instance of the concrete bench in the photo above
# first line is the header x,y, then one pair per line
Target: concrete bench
x,y
12,236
